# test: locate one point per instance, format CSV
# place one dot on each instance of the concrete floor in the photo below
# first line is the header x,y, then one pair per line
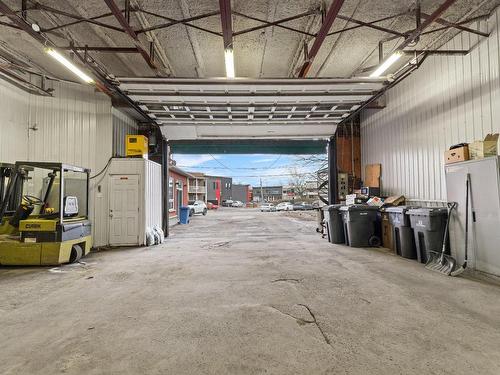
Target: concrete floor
x,y
244,292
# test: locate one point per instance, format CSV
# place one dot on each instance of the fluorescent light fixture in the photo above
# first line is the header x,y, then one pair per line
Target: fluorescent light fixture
x,y
386,64
68,64
229,60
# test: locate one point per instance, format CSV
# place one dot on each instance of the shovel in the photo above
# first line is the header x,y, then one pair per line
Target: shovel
x,y
439,261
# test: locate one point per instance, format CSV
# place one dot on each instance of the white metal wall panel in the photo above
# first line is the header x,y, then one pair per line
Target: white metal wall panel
x,y
14,122
122,125
153,194
449,100
74,126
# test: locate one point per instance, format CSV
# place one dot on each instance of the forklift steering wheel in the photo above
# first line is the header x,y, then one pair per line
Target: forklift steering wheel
x,y
33,200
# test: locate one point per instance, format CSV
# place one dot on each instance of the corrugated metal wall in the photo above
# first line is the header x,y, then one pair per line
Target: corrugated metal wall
x,y
122,125
449,100
75,126
14,120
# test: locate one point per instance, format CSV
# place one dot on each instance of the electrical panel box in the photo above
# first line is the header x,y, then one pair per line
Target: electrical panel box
x,y
136,146
343,185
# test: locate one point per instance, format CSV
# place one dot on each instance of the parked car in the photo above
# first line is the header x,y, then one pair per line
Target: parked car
x,y
284,206
227,203
238,204
302,206
267,207
198,207
212,206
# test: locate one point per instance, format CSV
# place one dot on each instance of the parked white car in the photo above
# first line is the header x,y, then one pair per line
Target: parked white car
x,y
238,204
267,207
284,206
198,207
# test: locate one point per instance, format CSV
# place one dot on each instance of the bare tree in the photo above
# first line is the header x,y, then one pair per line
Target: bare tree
x,y
298,181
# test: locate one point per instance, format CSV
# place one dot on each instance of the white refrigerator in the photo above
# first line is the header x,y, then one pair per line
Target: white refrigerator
x,y
484,233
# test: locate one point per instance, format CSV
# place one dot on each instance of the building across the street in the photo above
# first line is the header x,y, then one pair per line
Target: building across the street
x,y
267,193
177,191
218,189
197,187
242,193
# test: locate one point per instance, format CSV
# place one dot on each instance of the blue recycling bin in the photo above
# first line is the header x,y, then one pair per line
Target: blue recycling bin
x,y
184,215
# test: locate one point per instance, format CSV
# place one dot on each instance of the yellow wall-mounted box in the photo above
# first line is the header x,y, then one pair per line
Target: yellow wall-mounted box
x,y
136,145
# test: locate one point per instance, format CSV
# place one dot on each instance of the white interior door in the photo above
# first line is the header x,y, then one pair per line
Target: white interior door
x,y
124,210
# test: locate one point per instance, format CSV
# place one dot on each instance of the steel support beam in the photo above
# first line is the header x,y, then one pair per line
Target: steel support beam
x,y
457,26
429,20
165,151
101,80
21,23
371,25
332,14
128,29
275,23
78,21
367,24
227,23
333,178
464,22
173,22
101,49
75,17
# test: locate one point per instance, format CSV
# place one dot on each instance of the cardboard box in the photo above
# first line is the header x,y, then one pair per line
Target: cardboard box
x,y
483,149
394,200
456,155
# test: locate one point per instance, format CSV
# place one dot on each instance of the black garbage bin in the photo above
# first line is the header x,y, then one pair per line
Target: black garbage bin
x,y
360,225
428,226
403,237
334,224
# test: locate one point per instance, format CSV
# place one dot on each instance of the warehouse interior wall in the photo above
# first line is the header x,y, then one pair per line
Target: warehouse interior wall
x,y
122,125
449,100
77,125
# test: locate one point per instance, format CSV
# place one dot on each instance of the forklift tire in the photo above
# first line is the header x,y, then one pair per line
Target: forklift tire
x,y
76,253
191,212
204,212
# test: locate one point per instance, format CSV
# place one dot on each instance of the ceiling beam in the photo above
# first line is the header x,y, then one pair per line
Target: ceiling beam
x,y
275,23
429,20
227,23
457,26
100,78
172,22
101,49
371,25
128,29
79,19
332,14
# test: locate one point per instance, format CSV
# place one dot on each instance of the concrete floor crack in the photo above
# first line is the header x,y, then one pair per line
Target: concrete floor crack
x,y
300,320
287,280
315,321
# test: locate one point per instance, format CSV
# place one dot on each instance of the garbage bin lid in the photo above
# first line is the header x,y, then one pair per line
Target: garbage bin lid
x,y
359,207
428,211
400,209
332,207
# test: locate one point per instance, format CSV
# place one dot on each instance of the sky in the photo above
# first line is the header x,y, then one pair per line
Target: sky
x,y
248,169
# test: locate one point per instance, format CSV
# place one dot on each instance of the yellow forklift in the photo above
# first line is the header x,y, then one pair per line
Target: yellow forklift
x,y
43,213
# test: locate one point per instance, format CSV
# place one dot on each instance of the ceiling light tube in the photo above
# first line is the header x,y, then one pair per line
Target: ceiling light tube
x,y
229,60
68,64
386,64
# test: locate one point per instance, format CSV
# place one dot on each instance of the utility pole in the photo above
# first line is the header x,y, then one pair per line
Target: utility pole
x,y
261,191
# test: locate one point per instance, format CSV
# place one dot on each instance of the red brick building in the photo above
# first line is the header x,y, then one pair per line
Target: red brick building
x,y
178,190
